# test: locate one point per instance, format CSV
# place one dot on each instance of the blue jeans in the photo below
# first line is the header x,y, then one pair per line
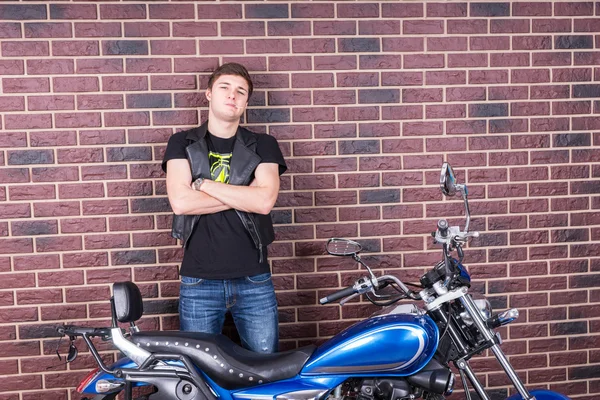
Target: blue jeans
x,y
251,300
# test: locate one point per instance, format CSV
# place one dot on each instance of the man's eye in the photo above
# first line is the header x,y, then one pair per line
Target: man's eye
x,y
242,93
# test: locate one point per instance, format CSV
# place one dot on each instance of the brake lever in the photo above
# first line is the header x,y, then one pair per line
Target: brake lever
x,y
347,299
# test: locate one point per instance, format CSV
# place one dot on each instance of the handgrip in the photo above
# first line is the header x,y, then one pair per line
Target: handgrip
x,y
337,295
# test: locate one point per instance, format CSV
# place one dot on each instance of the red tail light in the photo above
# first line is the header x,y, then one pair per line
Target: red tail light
x,y
87,380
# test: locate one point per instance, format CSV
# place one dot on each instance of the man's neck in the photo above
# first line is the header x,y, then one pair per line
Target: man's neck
x,y
222,129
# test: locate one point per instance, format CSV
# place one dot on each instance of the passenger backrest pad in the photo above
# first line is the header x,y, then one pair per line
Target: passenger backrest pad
x,y
128,301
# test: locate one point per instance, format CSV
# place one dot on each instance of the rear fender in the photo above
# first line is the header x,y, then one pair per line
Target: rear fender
x,y
541,395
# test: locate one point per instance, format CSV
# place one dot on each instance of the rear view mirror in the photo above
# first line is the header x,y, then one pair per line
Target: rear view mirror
x,y
447,180
343,247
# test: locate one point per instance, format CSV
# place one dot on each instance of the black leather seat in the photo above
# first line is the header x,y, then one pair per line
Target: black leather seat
x,y
229,365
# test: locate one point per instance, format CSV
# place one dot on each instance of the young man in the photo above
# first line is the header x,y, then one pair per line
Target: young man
x,y
222,182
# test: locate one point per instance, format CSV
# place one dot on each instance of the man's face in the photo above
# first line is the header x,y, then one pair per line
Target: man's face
x,y
228,97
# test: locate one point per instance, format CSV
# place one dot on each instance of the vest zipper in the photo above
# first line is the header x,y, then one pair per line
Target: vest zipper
x,y
254,234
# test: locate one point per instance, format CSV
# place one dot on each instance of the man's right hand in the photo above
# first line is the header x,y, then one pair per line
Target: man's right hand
x,y
183,199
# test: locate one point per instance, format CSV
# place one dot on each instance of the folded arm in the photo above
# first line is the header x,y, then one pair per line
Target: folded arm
x,y
258,198
183,199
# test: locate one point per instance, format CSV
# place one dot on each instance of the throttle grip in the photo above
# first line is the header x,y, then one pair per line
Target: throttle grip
x,y
338,295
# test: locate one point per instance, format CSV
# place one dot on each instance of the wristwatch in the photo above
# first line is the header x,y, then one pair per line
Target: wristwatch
x,y
196,184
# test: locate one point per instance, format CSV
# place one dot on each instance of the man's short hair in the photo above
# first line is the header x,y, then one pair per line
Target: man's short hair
x,y
231,69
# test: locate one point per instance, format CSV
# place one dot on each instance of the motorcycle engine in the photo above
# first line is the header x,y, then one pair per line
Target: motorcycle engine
x,y
386,389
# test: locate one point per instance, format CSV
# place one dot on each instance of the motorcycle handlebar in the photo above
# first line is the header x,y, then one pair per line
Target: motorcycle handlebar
x,y
365,284
338,295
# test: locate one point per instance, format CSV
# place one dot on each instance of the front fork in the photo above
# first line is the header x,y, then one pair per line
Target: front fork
x,y
463,348
489,335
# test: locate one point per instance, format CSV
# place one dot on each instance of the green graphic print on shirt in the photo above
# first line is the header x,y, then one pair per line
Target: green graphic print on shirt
x,y
219,166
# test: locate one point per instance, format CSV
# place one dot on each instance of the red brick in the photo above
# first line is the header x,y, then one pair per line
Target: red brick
x,y
379,27
39,296
100,102
179,82
34,228
488,77
36,262
28,121
574,8
22,49
73,11
75,48
173,47
571,107
550,92
55,209
422,128
12,103
10,30
146,29
58,102
228,46
25,85
551,59
137,118
106,241
551,25
549,124
97,29
446,9
529,108
37,192
83,225
195,29
403,44
123,11
301,114
467,60
14,175
84,259
467,26
65,243
173,118
509,26
586,25
530,76
278,28
478,43
412,61
317,45
77,120
445,111
335,130
23,348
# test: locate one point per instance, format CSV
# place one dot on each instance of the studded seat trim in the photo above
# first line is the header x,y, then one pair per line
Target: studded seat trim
x,y
229,365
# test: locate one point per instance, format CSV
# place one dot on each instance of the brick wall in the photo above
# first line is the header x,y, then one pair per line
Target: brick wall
x,y
366,99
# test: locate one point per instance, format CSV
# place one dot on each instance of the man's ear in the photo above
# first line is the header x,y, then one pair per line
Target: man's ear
x,y
208,94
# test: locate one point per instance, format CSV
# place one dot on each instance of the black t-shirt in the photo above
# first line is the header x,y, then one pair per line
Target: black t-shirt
x,y
220,247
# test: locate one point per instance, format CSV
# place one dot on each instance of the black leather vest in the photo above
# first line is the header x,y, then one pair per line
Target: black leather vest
x,y
244,161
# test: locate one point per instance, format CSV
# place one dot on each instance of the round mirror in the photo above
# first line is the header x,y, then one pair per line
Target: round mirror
x,y
343,247
447,180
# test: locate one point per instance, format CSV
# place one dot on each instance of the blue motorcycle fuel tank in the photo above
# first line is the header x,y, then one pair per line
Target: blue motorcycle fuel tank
x,y
396,344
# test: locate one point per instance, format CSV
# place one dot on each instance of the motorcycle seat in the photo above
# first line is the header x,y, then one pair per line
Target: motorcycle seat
x,y
226,363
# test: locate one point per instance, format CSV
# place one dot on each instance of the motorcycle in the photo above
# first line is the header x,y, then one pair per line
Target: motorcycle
x,y
402,352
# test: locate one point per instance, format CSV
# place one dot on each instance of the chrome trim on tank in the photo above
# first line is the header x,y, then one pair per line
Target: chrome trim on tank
x,y
310,394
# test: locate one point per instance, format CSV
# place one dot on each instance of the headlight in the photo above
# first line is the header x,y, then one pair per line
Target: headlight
x,y
484,307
